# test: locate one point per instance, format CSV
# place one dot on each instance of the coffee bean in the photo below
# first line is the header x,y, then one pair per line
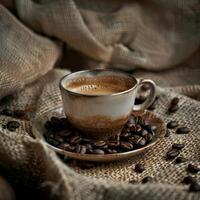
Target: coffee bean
x,y
173,108
113,144
59,139
86,140
172,153
147,179
133,128
183,130
167,134
178,146
148,137
75,140
175,101
139,168
125,135
143,132
179,160
188,180
126,145
98,151
12,125
141,142
64,133
172,125
19,113
64,146
110,151
194,187
193,169
100,143
7,112
80,149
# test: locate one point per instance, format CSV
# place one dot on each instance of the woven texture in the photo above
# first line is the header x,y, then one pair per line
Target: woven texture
x,y
123,34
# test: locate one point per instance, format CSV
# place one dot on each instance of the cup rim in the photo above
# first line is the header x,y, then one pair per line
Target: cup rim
x,y
96,95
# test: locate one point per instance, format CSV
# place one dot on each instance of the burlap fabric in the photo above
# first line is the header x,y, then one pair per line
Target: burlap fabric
x,y
27,58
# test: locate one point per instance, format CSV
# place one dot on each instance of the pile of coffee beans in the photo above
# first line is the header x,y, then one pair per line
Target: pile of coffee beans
x,y
136,134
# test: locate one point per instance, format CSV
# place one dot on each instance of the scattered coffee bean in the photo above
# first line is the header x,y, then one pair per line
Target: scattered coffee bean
x,y
193,169
147,179
139,168
173,108
7,112
178,146
179,160
98,151
183,130
19,113
172,125
188,180
167,134
126,145
194,187
175,101
12,125
172,154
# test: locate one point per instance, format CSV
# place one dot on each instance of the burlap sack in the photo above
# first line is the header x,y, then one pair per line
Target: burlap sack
x,y
34,170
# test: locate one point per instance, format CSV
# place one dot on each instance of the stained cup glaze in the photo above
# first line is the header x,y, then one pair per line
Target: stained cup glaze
x,y
102,115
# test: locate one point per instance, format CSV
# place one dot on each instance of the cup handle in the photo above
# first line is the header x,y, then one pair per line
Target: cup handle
x,y
152,95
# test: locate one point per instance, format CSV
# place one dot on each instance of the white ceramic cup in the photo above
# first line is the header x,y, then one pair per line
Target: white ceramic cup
x,y
102,116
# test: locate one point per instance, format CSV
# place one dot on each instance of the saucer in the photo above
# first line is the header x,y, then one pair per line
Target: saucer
x,y
39,129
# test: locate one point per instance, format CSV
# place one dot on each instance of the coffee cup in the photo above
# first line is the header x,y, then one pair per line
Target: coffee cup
x,y
99,102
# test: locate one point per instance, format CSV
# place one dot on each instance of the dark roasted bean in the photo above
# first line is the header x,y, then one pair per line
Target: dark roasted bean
x,y
183,130
172,154
75,140
172,125
59,139
147,179
178,146
100,143
7,112
193,169
19,113
111,151
80,149
143,132
188,180
12,125
126,145
194,187
175,101
139,168
179,160
173,108
64,133
98,151
113,144
148,137
133,128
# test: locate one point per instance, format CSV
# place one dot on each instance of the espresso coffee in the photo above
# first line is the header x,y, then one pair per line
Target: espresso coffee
x,y
103,85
